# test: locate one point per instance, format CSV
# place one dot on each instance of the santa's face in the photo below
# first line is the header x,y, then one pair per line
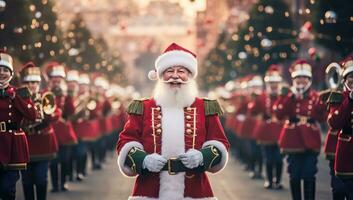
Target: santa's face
x,y
176,76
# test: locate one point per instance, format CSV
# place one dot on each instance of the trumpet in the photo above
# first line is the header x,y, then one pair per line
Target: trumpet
x,y
334,75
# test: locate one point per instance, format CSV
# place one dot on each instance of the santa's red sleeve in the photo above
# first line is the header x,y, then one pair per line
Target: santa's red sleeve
x,y
129,137
216,137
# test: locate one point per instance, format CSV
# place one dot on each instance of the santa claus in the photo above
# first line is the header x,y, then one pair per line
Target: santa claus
x,y
173,138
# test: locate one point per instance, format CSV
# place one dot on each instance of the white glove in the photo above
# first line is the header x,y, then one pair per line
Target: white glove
x,y
192,158
154,162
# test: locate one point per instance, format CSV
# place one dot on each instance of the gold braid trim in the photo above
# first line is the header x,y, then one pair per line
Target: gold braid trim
x,y
212,107
136,107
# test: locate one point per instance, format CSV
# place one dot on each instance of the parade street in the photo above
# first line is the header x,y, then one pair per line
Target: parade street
x,y
231,184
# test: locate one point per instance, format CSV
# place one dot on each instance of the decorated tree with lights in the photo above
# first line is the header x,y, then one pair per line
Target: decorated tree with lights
x,y
268,37
216,67
50,45
333,25
82,47
18,28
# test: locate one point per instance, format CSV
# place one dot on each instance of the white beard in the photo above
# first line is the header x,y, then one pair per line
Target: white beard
x,y
175,97
173,101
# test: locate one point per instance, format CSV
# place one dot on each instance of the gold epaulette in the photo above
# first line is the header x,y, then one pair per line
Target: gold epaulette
x,y
335,97
23,92
212,107
136,107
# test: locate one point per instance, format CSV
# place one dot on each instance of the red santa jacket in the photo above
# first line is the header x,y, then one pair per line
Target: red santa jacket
x,y
147,132
300,131
340,118
41,137
240,115
267,127
13,142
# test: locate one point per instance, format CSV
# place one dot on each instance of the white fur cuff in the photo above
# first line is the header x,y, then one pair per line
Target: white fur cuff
x,y
220,146
122,157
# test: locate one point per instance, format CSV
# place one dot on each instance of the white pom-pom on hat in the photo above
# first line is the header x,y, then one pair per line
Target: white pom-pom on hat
x,y
152,75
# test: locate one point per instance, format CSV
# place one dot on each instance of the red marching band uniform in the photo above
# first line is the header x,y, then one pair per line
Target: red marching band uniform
x,y
340,118
15,106
300,131
40,135
63,129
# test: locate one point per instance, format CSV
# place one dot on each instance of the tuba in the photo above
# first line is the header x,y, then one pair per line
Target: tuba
x,y
333,75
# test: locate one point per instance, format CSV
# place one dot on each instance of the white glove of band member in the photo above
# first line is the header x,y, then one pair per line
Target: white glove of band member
x,y
192,158
154,162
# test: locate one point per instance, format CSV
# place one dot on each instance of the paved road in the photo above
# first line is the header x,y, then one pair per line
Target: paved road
x,y
230,184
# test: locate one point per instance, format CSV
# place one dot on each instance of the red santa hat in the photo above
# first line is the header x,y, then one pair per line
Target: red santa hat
x,y
273,74
300,68
174,55
30,72
347,65
6,60
54,69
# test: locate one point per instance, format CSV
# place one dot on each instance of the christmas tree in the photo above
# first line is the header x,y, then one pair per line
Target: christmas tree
x,y
50,45
81,45
333,25
19,29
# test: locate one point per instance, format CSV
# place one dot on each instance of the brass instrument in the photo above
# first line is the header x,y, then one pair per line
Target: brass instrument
x,y
92,104
48,103
333,75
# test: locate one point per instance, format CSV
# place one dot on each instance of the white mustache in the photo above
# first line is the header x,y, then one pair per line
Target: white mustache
x,y
171,80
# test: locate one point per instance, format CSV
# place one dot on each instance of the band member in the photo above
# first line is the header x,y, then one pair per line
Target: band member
x,y
62,128
267,128
337,185
41,137
340,118
15,105
255,85
300,137
172,139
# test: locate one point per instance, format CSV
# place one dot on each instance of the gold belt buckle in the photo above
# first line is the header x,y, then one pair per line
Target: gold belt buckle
x,y
170,172
303,120
2,126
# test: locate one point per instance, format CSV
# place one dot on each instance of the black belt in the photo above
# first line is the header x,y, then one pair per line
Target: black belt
x,y
296,120
175,166
7,126
41,126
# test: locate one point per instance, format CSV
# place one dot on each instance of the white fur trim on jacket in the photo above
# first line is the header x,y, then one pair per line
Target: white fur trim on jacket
x,y
174,58
172,187
220,146
186,198
122,157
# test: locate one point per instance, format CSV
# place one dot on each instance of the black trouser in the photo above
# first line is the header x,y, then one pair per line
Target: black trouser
x,y
63,160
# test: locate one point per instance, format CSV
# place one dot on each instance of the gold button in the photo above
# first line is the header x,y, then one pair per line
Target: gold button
x,y
188,117
10,106
297,110
159,116
188,109
10,131
29,106
9,121
336,112
10,114
310,107
159,125
159,130
158,108
280,106
188,125
188,130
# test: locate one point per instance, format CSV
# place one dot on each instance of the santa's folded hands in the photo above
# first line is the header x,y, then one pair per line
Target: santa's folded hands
x,y
192,158
154,162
